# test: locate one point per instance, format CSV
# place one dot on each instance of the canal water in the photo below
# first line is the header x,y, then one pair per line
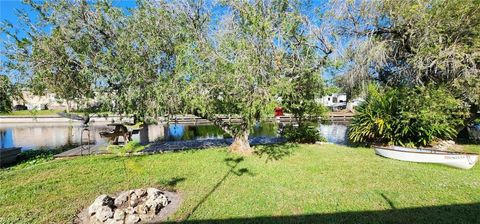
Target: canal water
x,y
37,136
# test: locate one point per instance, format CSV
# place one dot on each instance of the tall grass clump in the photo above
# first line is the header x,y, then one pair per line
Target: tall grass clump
x,y
407,116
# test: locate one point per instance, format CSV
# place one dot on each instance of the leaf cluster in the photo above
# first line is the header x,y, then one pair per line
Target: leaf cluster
x,y
412,43
402,116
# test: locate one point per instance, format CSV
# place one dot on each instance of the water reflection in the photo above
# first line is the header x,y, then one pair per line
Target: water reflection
x,y
176,131
335,133
6,138
29,136
180,132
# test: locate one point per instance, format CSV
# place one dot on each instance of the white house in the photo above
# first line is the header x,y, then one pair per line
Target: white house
x,y
35,102
338,101
334,100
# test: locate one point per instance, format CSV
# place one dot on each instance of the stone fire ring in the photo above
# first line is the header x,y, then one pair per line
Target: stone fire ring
x,y
149,205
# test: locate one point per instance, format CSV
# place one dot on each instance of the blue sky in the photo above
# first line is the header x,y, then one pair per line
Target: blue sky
x,y
9,8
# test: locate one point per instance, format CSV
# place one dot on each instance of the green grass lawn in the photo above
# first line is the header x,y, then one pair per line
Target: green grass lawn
x,y
307,183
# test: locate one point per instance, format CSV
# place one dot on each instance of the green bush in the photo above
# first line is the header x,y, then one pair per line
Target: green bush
x,y
302,134
407,116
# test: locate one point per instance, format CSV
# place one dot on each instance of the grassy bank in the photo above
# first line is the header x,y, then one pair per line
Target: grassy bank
x,y
289,184
32,113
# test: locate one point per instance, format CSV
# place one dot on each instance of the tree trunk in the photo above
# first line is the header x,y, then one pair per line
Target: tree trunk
x,y
240,143
68,106
240,135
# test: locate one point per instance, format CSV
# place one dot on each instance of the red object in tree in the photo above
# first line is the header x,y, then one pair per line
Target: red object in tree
x,y
278,111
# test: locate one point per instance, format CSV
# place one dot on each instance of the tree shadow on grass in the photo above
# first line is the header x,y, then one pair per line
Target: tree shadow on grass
x,y
459,213
171,184
275,151
233,164
390,202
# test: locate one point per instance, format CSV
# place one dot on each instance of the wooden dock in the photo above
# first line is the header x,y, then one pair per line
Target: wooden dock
x,y
287,118
339,117
84,151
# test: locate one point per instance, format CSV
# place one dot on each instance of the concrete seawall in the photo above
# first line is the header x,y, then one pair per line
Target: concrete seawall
x,y
58,119
189,119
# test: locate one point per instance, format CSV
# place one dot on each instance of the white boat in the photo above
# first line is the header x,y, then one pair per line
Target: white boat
x,y
455,159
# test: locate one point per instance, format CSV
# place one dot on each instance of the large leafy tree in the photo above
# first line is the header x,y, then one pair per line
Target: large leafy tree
x,y
59,50
255,57
81,49
413,43
140,67
303,66
164,58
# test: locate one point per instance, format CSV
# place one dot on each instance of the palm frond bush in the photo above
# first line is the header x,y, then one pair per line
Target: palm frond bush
x,y
407,116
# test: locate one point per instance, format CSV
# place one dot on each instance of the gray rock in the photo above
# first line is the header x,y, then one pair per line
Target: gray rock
x,y
141,209
130,210
161,200
140,192
102,200
103,213
113,221
122,198
119,215
93,220
158,204
153,193
133,200
131,219
129,207
156,201
150,204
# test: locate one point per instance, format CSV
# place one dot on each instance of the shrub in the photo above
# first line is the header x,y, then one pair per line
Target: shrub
x,y
302,134
407,116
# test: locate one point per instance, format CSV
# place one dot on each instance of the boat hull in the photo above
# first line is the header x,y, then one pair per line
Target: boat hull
x,y
453,159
